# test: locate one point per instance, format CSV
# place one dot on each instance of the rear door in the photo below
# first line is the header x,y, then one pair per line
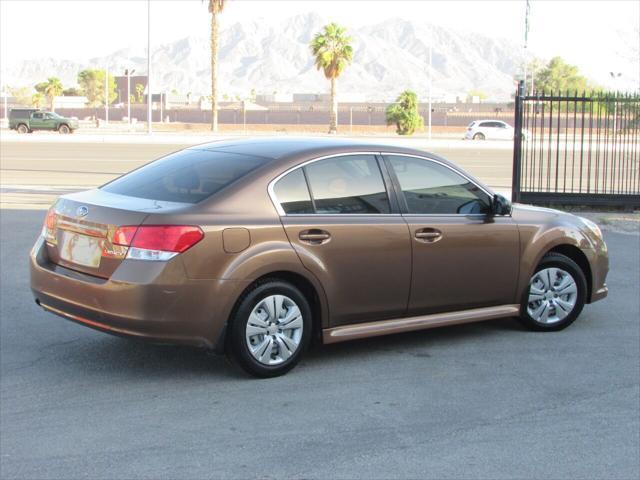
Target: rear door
x,y
462,256
348,232
37,122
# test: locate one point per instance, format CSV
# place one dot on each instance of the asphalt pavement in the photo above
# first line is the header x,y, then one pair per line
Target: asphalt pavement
x,y
488,400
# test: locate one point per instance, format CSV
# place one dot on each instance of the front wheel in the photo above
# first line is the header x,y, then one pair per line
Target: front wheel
x,y
64,129
270,329
556,294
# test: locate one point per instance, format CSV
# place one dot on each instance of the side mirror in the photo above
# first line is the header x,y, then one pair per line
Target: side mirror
x,y
500,205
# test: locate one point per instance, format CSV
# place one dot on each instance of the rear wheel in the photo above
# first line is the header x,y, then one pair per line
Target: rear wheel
x,y
64,129
270,329
478,136
556,294
22,128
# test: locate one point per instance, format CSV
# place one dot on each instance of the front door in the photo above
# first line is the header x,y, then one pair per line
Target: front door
x,y
347,233
463,257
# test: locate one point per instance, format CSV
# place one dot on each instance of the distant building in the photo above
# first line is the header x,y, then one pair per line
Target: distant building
x,y
274,98
343,97
69,102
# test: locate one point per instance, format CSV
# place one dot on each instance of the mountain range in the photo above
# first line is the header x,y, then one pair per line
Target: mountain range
x,y
389,57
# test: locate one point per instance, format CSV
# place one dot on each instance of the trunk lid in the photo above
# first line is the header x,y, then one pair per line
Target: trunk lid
x,y
81,229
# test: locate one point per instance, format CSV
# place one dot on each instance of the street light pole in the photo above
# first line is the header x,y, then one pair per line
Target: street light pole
x,y
106,95
615,76
128,73
149,98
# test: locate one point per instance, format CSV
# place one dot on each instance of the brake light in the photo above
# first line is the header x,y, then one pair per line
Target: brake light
x,y
49,227
157,242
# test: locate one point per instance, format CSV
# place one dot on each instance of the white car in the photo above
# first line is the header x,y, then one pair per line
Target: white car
x,y
489,130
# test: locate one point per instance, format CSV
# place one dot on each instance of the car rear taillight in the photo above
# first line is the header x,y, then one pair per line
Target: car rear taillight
x,y
49,227
157,242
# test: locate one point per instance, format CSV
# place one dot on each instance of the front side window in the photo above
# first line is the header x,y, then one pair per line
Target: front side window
x,y
187,176
350,184
431,188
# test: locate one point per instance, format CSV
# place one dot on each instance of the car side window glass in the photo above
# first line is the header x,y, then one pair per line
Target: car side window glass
x,y
431,188
37,115
293,194
350,184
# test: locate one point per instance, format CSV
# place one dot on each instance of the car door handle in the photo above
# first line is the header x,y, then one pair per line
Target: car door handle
x,y
428,235
314,236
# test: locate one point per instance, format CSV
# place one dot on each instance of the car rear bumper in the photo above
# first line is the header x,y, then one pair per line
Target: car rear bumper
x,y
154,301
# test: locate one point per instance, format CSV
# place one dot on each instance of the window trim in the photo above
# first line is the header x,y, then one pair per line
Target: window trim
x,y
282,213
394,190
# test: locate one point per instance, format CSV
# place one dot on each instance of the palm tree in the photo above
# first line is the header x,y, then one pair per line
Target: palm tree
x,y
332,51
53,89
215,7
37,100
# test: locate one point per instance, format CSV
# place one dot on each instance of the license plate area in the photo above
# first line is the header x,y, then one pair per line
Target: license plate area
x,y
81,249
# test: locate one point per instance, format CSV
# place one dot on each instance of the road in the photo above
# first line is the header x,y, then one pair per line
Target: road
x,y
489,400
33,173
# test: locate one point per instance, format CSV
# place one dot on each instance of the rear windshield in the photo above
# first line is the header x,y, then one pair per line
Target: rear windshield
x,y
187,176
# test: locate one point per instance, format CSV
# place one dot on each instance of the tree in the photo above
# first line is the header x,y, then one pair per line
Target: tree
x,y
404,113
215,8
476,93
23,95
332,52
38,100
91,83
50,89
139,91
71,92
558,76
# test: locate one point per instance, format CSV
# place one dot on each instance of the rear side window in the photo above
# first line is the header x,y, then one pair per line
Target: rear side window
x,y
187,176
292,193
431,188
350,184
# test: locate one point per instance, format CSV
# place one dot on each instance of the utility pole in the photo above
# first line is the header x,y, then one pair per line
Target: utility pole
x,y
149,97
430,76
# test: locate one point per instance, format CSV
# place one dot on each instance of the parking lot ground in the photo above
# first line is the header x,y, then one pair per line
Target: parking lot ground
x,y
487,400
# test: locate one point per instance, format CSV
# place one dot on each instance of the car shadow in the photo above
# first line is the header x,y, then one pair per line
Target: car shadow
x,y
114,356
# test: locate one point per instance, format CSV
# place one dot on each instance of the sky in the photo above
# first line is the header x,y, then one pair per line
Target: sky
x,y
599,36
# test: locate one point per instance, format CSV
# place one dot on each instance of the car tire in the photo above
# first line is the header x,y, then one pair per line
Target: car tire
x,y
262,339
64,129
555,296
479,136
22,128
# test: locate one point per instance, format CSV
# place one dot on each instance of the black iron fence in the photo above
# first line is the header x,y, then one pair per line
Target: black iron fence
x,y
577,149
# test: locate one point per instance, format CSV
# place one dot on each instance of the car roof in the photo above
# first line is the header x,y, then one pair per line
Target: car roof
x,y
490,120
285,148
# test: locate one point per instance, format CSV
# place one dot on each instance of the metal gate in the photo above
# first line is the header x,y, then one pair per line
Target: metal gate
x,y
576,149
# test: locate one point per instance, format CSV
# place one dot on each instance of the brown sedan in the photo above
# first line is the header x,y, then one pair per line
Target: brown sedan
x,y
255,247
